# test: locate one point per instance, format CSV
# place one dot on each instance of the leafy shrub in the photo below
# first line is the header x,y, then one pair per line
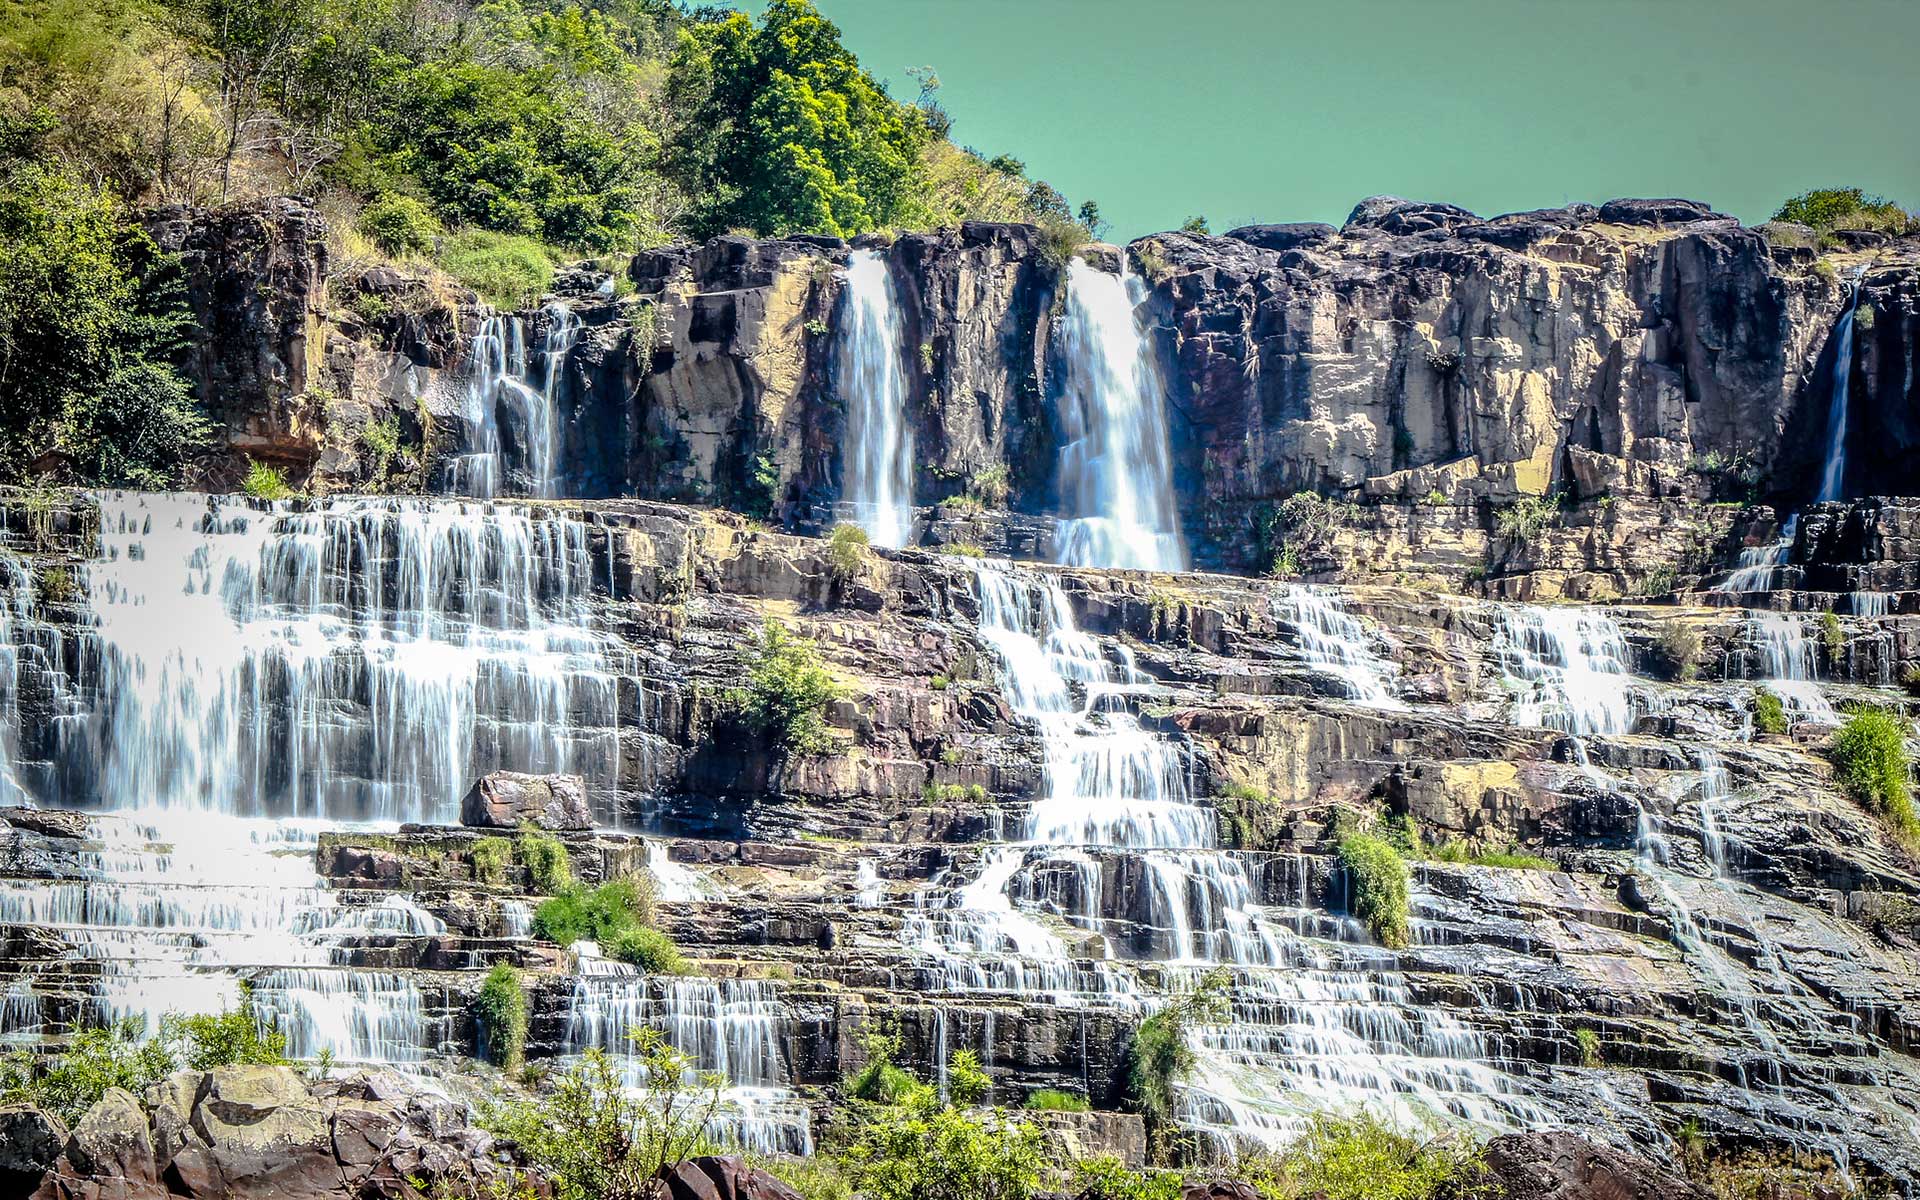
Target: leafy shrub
x,y
236,1036
1845,208
1377,888
879,1081
816,1178
788,692
967,1083
1362,1157
1831,635
1589,1047
490,857
1526,518
398,226
501,1012
381,442
919,1150
1160,1057
846,550
991,486
265,483
574,913
1055,1100
506,271
1107,1178
1678,645
649,949
598,1139
963,549
545,859
1195,225
1870,752
1769,713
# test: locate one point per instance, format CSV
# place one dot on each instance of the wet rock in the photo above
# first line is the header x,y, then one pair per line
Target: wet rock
x,y
509,799
1563,1166
46,822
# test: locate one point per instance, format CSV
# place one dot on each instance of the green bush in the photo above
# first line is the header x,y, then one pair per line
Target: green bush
x,y
649,949
991,486
1526,518
545,859
968,1084
490,857
1362,1157
846,550
599,914
1512,859
879,1081
1589,1047
265,483
1160,1057
1769,713
788,692
1678,644
1055,1100
239,1035
399,226
919,1150
507,272
1107,1178
1870,753
1377,880
595,1138
500,1010
1831,635
1827,209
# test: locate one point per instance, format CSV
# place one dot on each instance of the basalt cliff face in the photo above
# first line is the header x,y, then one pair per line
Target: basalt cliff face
x,y
235,735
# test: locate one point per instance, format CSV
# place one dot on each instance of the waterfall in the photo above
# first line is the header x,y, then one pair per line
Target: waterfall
x,y
232,641
1833,477
1787,665
247,677
1565,668
878,455
1758,567
731,1027
502,405
1337,644
1116,475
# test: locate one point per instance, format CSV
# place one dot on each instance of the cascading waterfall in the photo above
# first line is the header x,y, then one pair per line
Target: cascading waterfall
x,y
1833,477
1758,568
1334,642
253,676
1565,668
502,403
1314,1023
730,1027
1116,474
878,455
1786,663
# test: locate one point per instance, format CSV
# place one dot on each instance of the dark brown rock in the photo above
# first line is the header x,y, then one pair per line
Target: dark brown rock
x,y
509,799
30,1141
723,1177
1563,1166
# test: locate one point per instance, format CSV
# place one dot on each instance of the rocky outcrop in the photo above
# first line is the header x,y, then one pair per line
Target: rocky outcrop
x,y
510,800
265,1131
256,275
722,1177
1562,1166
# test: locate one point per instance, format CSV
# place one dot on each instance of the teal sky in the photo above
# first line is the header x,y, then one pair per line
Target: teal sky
x,y
1279,111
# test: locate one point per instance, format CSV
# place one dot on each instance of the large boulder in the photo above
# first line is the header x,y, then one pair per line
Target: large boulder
x,y
509,799
1563,1166
30,1141
722,1177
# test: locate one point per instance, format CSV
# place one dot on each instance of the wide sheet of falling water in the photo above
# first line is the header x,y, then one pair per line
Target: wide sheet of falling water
x,y
254,675
731,1027
1116,475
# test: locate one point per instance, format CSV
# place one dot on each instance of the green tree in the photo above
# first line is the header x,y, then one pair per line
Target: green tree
x,y
1845,208
788,692
89,314
923,1150
796,136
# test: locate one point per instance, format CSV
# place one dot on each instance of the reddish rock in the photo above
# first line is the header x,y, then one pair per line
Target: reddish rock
x,y
509,799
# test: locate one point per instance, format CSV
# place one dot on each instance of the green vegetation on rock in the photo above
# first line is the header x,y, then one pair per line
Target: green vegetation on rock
x,y
1769,712
545,859
1160,1057
501,1012
1870,754
1362,1157
847,550
1377,880
1055,1100
1828,209
788,692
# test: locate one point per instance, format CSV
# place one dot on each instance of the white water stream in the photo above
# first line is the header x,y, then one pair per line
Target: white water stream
x,y
872,383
